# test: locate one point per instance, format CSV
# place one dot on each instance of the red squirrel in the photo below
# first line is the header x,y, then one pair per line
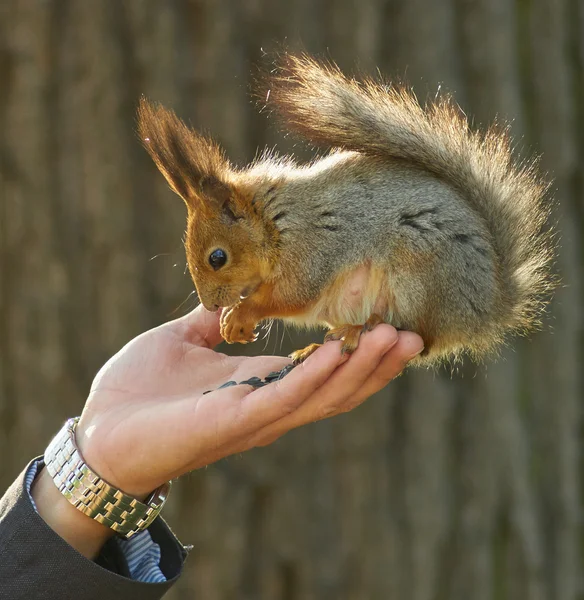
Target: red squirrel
x,y
411,219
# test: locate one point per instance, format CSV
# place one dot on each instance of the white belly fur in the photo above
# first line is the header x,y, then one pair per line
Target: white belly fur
x,y
350,300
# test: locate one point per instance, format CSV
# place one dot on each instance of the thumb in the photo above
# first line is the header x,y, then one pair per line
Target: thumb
x,y
200,327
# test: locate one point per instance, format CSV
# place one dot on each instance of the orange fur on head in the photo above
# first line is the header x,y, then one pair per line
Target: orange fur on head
x,y
221,213
239,237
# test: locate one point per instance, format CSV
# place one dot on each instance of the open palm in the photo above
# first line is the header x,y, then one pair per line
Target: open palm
x,y
147,419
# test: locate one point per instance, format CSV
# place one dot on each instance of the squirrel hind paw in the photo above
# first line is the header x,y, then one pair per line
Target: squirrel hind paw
x,y
350,334
371,323
299,356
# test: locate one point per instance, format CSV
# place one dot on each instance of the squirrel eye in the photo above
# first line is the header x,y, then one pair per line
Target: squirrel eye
x,y
217,258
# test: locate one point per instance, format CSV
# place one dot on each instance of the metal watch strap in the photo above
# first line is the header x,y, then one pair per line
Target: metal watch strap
x,y
93,496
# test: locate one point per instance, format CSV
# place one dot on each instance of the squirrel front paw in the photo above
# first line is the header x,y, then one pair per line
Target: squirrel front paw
x,y
236,326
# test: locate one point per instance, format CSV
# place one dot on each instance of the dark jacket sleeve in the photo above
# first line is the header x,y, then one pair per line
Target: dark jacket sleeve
x,y
36,563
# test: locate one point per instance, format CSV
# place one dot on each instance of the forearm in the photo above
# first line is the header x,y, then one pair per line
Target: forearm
x,y
81,532
34,556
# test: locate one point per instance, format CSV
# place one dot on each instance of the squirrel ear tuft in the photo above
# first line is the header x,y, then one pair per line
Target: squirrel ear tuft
x,y
193,165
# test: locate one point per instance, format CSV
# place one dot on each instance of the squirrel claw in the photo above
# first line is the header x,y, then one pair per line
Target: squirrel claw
x,y
253,338
235,330
299,356
350,334
371,322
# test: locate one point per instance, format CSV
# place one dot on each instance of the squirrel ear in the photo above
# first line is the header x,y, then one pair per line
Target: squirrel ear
x,y
218,197
214,191
193,165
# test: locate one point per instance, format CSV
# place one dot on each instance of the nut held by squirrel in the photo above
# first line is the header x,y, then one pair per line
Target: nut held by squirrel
x,y
411,218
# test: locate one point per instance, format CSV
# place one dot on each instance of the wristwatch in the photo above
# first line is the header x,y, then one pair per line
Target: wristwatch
x,y
93,496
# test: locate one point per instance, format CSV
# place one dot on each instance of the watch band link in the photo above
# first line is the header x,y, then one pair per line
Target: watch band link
x,y
93,496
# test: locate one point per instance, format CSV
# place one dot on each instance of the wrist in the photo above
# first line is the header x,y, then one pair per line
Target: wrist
x,y
98,454
93,496
81,532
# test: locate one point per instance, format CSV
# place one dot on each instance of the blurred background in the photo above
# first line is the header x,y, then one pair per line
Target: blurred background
x,y
462,484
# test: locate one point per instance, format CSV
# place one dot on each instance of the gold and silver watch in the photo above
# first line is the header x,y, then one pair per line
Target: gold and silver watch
x,y
93,496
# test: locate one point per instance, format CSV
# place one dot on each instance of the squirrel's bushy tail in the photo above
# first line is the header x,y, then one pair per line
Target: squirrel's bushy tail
x,y
326,108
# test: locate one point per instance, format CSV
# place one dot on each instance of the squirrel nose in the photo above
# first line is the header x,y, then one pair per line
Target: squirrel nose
x,y
211,307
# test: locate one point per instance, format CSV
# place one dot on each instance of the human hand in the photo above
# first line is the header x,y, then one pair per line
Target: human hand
x,y
147,419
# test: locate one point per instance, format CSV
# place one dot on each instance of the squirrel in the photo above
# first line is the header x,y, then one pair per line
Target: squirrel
x,y
411,218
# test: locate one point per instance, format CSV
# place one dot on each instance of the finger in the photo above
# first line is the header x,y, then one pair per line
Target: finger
x,y
252,409
342,385
200,327
351,377
283,397
408,346
232,415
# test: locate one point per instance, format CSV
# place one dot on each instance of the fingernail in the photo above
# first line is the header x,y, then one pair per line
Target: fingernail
x,y
416,353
